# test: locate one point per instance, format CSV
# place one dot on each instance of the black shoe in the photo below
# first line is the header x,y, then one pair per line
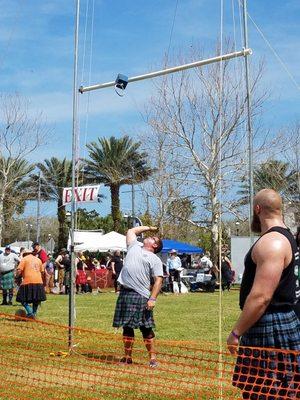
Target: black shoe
x,y
4,303
10,303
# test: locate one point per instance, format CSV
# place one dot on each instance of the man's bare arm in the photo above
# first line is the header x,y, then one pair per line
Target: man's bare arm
x,y
270,257
155,292
133,232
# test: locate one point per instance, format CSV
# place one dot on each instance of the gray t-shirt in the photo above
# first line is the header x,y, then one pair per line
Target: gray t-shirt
x,y
140,266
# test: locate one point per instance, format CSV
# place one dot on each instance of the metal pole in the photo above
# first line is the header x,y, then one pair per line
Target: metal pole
x,y
132,195
249,127
171,70
74,152
28,233
38,212
148,203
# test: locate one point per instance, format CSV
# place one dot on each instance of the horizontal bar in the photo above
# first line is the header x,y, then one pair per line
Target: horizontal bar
x,y
243,53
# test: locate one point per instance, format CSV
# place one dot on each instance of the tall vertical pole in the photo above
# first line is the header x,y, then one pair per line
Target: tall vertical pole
x,y
132,196
249,127
38,211
74,152
148,203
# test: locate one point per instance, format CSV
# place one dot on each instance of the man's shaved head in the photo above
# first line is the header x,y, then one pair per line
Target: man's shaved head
x,y
269,201
266,203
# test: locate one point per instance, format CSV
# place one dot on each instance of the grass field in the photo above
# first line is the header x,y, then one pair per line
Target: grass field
x,y
187,343
193,316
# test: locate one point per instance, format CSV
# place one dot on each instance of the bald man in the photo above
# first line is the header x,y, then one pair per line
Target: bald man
x,y
269,291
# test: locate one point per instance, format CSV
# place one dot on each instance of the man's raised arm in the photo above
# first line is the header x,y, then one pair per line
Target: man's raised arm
x,y
137,230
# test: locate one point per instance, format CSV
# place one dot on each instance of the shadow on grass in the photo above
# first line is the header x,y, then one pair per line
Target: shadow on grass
x,y
111,359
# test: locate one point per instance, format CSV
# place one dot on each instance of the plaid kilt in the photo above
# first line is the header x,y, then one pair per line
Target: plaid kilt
x,y
131,311
7,280
264,374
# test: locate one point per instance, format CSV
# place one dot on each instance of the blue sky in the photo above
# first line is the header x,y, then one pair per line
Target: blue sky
x,y
131,37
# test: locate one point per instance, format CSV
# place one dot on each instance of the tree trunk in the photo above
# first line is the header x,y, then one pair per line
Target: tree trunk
x,y
115,206
1,216
214,226
2,195
62,228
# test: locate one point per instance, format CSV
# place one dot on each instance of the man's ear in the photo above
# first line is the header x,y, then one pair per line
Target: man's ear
x,y
257,208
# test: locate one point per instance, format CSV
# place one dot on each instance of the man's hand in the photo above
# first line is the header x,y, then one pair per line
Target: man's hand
x,y
153,228
132,233
150,304
232,343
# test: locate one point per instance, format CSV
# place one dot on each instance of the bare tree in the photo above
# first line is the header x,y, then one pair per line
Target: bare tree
x,y
291,154
20,135
166,184
202,114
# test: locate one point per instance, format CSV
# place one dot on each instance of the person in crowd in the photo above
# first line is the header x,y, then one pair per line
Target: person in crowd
x,y
205,262
66,262
174,268
60,268
116,266
31,291
89,263
269,290
8,263
226,272
49,273
21,252
135,304
39,252
184,261
96,263
81,278
108,260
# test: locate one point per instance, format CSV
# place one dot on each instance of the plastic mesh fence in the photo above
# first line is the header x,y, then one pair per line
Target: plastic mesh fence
x,y
36,364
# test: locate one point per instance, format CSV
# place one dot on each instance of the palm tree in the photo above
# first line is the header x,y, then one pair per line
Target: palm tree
x,y
272,174
55,176
116,162
13,188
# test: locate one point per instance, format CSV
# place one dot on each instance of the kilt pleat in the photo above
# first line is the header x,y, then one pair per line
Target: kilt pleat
x,y
131,311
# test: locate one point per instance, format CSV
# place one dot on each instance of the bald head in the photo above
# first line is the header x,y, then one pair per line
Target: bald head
x,y
268,201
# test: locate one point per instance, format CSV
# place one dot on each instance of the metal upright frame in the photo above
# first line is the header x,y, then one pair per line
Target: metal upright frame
x,y
243,53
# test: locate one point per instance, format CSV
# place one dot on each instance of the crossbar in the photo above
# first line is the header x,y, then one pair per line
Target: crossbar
x,y
242,53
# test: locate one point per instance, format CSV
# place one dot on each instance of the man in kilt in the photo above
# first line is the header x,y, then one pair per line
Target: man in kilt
x,y
268,329
8,263
142,272
31,291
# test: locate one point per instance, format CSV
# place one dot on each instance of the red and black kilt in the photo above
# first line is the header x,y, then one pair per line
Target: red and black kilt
x,y
131,311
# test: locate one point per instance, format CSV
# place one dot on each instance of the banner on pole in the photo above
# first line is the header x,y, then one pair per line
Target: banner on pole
x,y
83,194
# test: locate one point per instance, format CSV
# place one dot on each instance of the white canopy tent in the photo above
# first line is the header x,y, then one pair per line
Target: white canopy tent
x,y
96,241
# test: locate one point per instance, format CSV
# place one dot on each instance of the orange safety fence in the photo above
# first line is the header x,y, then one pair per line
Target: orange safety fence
x,y
35,364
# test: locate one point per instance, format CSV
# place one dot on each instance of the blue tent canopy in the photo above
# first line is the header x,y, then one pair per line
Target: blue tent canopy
x,y
180,247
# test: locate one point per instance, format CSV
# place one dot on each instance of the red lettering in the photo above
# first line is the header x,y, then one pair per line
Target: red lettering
x,y
77,194
92,194
67,196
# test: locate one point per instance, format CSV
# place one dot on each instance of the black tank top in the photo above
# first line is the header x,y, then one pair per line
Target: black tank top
x,y
287,292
